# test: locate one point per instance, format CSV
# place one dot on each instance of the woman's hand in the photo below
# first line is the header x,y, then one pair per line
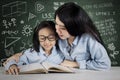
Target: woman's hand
x,y
14,57
68,63
13,70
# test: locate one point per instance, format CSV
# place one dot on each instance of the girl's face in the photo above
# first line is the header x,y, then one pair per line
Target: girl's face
x,y
47,39
60,29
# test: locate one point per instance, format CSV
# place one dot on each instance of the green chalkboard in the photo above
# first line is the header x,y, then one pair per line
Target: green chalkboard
x,y
18,19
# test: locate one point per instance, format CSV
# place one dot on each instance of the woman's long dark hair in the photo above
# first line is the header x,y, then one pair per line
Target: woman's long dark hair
x,y
43,24
77,21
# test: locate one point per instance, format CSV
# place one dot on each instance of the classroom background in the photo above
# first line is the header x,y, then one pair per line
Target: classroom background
x,y
19,17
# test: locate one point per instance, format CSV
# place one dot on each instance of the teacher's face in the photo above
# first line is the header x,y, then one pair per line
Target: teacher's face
x,y
60,29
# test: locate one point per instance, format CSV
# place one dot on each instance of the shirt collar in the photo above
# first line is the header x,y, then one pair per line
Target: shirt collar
x,y
52,52
42,51
74,43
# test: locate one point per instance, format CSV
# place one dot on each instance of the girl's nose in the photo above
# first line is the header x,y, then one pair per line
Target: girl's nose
x,y
46,41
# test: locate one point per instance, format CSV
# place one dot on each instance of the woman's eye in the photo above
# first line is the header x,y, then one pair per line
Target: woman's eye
x,y
63,28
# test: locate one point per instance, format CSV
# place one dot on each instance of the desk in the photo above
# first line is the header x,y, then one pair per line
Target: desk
x,y
112,74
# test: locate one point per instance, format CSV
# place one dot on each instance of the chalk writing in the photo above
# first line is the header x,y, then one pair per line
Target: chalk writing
x,y
9,32
57,4
48,16
98,5
106,27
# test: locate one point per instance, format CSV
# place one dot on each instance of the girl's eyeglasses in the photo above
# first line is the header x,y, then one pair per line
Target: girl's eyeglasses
x,y
50,38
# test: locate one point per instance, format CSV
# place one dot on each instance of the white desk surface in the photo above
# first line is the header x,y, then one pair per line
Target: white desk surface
x,y
112,74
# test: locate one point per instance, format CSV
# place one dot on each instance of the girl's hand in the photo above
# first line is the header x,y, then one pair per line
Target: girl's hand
x,y
13,70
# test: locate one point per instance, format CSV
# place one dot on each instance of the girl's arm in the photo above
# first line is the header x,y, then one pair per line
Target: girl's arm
x,y
13,70
11,66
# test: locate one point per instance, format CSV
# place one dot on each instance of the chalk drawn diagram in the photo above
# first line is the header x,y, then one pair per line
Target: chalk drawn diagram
x,y
10,40
114,53
5,24
39,7
31,16
16,8
25,44
22,22
27,30
8,24
36,23
9,52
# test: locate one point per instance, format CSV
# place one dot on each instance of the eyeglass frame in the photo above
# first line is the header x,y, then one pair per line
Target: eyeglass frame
x,y
47,37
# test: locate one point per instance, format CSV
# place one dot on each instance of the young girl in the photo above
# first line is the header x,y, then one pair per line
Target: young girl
x,y
45,48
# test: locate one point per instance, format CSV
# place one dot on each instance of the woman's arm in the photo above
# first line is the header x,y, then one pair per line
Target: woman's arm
x,y
96,56
99,56
69,63
14,57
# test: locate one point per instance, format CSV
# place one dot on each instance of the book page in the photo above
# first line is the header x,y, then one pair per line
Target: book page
x,y
55,68
32,68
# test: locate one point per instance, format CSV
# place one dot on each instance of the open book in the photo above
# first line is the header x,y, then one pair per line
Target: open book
x,y
44,67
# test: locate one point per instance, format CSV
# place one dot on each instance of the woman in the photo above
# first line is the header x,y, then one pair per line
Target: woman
x,y
80,41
